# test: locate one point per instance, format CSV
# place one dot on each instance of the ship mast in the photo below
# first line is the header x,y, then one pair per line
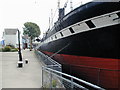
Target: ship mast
x,y
71,6
58,4
49,23
60,11
51,17
65,5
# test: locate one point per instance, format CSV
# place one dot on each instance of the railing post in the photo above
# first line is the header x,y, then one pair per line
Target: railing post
x,y
72,86
50,79
98,82
42,76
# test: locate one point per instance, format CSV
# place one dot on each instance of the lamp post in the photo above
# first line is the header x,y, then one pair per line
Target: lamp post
x,y
20,62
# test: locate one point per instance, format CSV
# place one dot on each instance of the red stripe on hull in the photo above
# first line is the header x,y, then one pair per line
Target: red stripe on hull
x,y
101,71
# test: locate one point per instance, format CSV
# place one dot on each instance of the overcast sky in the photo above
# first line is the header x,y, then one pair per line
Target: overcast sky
x,y
14,13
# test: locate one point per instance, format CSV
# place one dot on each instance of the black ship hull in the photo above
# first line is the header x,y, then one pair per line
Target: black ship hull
x,y
88,46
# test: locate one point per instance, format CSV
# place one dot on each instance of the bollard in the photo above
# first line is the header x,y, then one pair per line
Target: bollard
x,y
26,61
20,64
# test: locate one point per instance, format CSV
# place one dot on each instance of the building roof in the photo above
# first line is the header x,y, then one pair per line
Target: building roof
x,y
10,31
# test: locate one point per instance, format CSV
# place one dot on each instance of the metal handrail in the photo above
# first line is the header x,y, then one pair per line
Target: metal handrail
x,y
67,80
50,59
80,80
48,68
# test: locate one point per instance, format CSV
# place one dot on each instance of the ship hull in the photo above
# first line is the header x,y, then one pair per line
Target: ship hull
x,y
86,45
89,59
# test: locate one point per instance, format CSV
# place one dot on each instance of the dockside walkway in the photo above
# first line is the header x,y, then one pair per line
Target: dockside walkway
x,y
30,76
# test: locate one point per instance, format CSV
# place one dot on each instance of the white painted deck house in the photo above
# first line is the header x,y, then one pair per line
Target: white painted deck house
x,y
10,36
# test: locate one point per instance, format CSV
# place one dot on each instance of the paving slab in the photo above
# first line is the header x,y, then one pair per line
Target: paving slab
x,y
30,76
